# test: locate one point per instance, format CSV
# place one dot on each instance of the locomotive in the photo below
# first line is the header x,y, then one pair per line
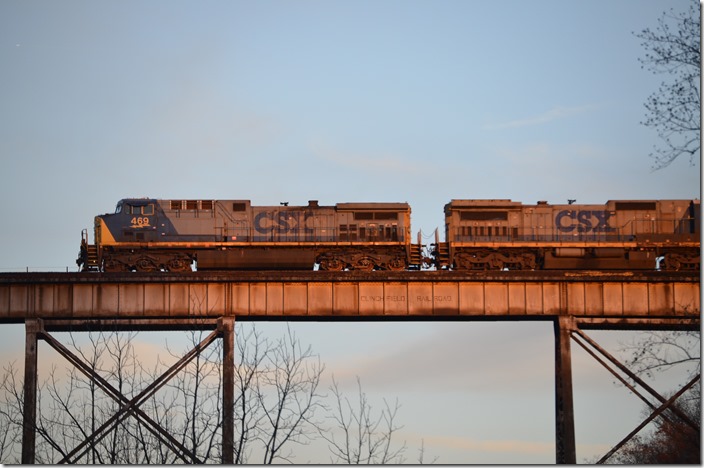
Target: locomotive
x,y
622,234
145,234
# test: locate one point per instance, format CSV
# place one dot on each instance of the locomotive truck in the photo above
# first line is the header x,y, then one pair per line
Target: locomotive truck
x,y
146,234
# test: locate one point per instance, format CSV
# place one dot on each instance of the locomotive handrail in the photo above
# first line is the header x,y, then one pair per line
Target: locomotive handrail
x,y
660,223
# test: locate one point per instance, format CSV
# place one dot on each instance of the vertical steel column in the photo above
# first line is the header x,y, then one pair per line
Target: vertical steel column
x,y
32,329
227,328
565,449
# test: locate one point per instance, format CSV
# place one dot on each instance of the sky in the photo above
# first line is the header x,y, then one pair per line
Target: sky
x,y
412,101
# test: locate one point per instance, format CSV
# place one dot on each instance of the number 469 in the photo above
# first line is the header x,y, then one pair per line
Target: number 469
x,y
137,221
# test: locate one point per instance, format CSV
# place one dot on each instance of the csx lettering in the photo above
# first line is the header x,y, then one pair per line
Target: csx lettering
x,y
282,222
583,221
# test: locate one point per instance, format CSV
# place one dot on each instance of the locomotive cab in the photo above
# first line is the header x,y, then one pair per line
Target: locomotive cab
x,y
134,221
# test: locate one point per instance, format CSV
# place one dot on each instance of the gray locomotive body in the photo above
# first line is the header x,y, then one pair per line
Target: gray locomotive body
x,y
623,234
172,235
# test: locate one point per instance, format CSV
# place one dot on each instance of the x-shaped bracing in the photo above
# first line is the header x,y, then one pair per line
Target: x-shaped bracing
x,y
591,347
129,406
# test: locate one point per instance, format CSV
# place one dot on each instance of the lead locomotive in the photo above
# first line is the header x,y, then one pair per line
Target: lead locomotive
x,y
147,234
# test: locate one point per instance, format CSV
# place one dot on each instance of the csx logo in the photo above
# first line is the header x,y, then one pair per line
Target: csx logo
x,y
282,222
583,221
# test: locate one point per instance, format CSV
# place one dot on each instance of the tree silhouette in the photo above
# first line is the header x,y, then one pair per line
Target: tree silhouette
x,y
673,48
672,441
277,396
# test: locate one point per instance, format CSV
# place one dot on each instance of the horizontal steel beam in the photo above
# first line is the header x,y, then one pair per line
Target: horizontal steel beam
x,y
325,276
183,300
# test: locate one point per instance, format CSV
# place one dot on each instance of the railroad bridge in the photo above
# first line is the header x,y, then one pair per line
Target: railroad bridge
x,y
573,301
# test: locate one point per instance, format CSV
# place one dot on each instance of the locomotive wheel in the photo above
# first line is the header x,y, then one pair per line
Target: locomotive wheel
x,y
681,261
397,264
178,265
145,264
364,264
332,264
496,261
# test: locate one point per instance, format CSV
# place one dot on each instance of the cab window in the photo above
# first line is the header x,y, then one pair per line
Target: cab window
x,y
140,210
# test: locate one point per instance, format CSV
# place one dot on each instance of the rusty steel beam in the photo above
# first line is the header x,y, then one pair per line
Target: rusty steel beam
x,y
675,323
131,324
342,296
29,415
226,326
565,445
326,276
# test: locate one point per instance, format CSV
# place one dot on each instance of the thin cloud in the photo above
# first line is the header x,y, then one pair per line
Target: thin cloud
x,y
397,367
551,115
491,446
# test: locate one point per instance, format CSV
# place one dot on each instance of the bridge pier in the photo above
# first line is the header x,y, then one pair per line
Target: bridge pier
x,y
29,415
227,329
565,447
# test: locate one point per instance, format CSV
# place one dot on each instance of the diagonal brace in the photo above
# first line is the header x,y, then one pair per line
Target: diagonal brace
x,y
655,414
632,375
618,376
115,394
143,396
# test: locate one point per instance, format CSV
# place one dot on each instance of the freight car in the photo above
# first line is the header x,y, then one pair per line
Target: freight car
x,y
622,234
145,234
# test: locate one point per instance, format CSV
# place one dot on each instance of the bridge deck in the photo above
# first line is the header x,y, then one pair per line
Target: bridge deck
x,y
311,295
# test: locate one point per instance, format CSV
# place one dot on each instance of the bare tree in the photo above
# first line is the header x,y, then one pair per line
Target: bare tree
x,y
253,350
656,351
277,401
11,414
362,438
288,396
195,400
673,48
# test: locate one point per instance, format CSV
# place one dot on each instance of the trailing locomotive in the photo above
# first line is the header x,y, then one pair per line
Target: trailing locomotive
x,y
152,235
624,234
146,234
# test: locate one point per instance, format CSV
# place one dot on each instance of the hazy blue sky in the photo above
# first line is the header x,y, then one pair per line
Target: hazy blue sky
x,y
411,100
